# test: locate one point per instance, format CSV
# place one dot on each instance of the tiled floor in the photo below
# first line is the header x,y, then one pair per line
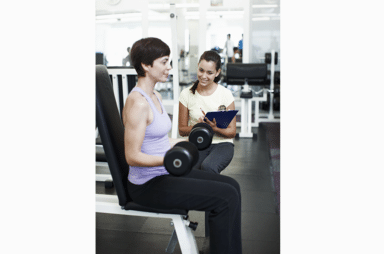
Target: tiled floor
x,y
260,223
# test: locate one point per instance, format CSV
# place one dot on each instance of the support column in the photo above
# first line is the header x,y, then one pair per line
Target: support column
x,y
175,67
144,17
247,31
202,26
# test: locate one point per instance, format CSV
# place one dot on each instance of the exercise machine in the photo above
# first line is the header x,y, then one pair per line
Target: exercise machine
x,y
111,130
246,74
255,74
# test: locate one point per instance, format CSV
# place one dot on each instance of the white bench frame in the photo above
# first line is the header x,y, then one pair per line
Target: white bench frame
x,y
110,204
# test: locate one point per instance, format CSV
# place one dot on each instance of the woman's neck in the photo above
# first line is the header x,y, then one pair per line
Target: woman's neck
x,y
207,90
146,84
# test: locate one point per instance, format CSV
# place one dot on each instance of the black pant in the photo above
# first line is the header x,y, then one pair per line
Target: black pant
x,y
215,158
200,191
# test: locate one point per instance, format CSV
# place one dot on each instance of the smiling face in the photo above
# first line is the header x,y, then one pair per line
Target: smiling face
x,y
207,72
159,70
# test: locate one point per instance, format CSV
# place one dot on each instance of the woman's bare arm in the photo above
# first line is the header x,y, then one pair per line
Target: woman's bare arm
x,y
135,116
184,129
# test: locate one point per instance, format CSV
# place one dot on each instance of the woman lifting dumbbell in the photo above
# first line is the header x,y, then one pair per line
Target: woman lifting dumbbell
x,y
146,142
207,95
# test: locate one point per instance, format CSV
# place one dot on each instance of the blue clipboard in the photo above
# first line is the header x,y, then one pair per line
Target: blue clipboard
x,y
223,118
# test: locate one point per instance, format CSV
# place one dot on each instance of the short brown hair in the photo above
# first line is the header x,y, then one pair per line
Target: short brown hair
x,y
147,50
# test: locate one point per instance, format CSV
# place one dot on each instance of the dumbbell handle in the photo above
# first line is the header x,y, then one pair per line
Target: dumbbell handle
x,y
174,141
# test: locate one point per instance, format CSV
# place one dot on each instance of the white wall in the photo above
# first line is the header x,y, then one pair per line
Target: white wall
x,y
113,39
265,34
218,29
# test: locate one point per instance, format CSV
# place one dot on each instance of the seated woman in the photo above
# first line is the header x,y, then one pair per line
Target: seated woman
x,y
204,96
146,141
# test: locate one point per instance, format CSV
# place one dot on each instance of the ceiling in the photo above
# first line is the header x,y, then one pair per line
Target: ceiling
x,y
158,9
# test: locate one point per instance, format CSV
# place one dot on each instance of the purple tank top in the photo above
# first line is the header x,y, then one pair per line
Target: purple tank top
x,y
156,142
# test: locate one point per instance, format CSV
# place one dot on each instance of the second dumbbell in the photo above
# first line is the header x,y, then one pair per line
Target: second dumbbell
x,y
201,135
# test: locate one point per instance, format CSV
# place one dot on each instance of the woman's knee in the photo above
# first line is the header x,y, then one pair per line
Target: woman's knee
x,y
215,164
235,184
234,197
210,167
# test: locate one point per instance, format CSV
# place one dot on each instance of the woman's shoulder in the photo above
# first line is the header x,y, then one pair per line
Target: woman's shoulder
x,y
186,91
158,95
137,100
135,105
225,90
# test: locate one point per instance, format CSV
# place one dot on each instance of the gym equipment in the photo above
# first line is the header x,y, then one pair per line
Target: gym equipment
x,y
255,74
201,135
184,155
272,83
244,74
268,58
108,184
111,131
179,160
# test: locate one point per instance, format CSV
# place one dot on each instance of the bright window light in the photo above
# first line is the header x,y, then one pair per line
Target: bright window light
x,y
187,5
265,6
261,18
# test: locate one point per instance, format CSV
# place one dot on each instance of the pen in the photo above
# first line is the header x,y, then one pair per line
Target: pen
x,y
203,113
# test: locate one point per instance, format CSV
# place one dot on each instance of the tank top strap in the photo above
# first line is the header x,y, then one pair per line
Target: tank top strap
x,y
151,104
161,104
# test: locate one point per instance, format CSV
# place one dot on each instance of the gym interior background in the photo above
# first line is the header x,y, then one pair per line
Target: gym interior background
x,y
198,26
331,130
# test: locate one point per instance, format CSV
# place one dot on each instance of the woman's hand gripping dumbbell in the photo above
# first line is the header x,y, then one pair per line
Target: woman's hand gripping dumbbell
x,y
184,155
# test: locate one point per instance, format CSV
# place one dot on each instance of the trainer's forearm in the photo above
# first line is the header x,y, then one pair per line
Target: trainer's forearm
x,y
185,130
225,133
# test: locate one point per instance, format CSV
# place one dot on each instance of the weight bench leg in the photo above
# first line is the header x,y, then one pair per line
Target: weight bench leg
x,y
186,238
172,243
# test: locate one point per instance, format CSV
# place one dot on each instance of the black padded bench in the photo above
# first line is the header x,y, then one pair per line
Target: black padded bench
x,y
111,132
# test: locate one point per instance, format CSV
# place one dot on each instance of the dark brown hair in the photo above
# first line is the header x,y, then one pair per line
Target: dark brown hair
x,y
146,51
209,56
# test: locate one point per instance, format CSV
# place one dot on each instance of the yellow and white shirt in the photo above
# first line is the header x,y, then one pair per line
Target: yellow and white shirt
x,y
196,102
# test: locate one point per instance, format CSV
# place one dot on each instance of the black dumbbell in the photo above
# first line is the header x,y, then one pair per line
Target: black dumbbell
x,y
180,159
201,135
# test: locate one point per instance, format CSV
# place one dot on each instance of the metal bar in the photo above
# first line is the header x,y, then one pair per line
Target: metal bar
x,y
270,116
125,88
103,177
172,243
115,86
186,239
175,59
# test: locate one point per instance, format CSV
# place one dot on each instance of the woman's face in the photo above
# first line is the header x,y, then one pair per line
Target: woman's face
x,y
160,68
206,72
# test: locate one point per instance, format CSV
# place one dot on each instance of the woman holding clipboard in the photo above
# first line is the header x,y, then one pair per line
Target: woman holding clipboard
x,y
204,96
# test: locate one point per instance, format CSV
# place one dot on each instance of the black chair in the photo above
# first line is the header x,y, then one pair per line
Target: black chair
x,y
111,132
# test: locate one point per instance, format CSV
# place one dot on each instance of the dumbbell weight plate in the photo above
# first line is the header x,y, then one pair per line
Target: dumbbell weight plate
x,y
181,158
192,150
201,135
205,125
